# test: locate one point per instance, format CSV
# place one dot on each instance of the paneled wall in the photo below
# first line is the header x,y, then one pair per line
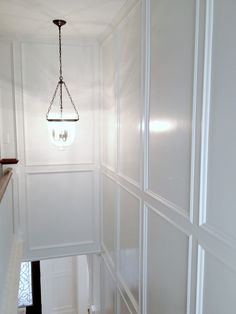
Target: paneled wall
x,y
64,285
168,152
58,285
58,187
10,248
6,237
121,177
7,105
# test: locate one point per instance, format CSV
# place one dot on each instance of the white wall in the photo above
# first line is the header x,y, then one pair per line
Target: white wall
x,y
55,186
58,285
121,162
10,251
94,263
58,188
7,103
168,153
168,218
65,285
83,284
10,245
6,236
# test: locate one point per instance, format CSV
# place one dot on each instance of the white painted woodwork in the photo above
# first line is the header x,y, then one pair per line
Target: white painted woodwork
x,y
109,123
124,309
40,75
219,213
109,218
65,285
129,91
219,286
94,268
7,105
66,197
167,258
10,251
6,236
58,187
82,284
167,75
171,97
10,291
121,156
58,285
108,287
129,241
186,175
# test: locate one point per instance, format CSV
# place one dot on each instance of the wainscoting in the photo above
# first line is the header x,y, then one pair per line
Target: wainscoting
x,y
168,223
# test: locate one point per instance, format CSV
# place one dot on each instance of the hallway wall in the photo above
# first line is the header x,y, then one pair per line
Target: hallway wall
x,y
58,210
65,285
7,108
168,156
59,205
6,241
121,166
168,170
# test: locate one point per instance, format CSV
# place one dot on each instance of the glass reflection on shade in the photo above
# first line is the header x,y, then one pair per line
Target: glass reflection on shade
x,y
62,133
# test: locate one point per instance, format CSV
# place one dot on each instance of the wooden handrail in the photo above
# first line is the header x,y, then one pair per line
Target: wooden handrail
x,y
4,180
8,161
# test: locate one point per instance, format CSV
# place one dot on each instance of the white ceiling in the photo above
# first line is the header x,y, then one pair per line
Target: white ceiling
x,y
85,18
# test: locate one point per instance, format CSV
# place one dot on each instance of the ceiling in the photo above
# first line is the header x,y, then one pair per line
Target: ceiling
x,y
89,19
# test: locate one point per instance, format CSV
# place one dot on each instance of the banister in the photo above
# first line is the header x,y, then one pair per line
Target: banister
x,y
4,180
8,161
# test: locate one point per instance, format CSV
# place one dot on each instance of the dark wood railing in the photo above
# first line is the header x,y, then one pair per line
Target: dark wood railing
x,y
5,175
4,180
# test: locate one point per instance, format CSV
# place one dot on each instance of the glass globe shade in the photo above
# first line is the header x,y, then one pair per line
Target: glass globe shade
x,y
62,133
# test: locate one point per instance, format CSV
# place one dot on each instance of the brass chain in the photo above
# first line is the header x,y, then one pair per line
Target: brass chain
x,y
60,58
59,86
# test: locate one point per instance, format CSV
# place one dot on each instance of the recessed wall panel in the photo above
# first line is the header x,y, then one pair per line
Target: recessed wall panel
x,y
171,98
220,212
61,211
7,114
109,111
129,250
108,292
58,285
167,267
61,299
40,76
219,287
109,216
6,237
129,65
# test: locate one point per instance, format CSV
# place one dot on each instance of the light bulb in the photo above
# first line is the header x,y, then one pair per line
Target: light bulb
x,y
62,133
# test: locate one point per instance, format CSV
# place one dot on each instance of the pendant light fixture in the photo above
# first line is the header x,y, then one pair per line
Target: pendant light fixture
x,y
61,120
